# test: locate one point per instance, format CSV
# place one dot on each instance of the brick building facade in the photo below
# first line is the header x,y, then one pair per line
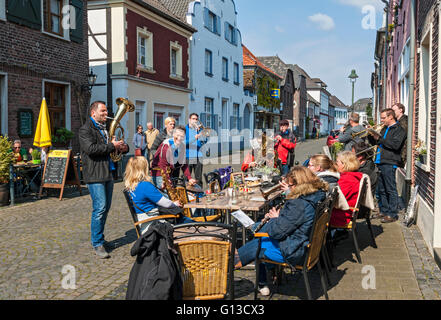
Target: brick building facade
x,y
41,59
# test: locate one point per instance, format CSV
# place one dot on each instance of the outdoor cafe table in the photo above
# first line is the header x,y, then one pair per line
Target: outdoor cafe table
x,y
224,202
23,173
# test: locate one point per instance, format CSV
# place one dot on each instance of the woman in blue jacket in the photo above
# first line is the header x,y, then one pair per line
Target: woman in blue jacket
x,y
289,228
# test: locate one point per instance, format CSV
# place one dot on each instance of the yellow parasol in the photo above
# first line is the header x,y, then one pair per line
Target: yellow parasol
x,y
42,136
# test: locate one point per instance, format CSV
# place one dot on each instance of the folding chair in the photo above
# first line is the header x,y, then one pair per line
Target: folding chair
x,y
206,253
134,215
316,241
352,225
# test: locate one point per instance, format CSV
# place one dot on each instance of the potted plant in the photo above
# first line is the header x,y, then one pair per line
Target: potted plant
x,y
62,137
421,151
36,156
6,157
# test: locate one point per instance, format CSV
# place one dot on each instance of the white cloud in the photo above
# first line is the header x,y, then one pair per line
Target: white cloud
x,y
323,21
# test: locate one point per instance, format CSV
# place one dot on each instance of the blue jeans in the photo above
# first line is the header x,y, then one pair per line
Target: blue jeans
x,y
101,194
247,254
387,190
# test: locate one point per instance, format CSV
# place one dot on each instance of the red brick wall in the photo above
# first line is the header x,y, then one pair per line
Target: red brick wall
x,y
426,180
161,49
28,56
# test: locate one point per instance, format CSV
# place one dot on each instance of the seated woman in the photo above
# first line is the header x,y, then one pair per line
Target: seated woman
x,y
347,165
145,196
324,168
288,228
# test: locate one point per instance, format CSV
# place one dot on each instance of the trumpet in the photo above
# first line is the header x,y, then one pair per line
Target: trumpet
x,y
363,134
206,132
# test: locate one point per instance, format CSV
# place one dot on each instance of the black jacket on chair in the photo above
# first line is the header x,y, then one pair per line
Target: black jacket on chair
x,y
155,274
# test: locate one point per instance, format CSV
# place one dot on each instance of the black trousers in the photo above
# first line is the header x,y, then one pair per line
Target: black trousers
x,y
197,169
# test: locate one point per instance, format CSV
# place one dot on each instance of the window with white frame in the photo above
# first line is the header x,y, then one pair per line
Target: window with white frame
x,y
425,90
208,62
208,109
53,17
212,21
225,69
403,75
175,60
145,49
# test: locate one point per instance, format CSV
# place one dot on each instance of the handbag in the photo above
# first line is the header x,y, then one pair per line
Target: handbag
x,y
137,152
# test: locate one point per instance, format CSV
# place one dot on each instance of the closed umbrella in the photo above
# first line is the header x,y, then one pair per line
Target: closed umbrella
x,y
42,136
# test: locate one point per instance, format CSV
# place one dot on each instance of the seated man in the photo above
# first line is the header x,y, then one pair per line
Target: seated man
x,y
20,154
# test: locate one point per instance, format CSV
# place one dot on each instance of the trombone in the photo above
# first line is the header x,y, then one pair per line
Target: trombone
x,y
367,131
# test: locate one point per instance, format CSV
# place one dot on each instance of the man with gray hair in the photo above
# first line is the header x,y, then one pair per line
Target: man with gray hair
x,y
347,133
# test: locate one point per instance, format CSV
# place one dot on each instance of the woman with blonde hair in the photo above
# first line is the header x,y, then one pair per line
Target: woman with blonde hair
x,y
288,228
145,196
347,165
324,168
167,133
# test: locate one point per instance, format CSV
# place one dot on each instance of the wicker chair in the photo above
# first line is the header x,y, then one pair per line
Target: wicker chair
x,y
183,197
314,248
135,215
206,252
352,225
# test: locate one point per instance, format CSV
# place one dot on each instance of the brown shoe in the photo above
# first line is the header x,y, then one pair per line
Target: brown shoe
x,y
387,219
378,216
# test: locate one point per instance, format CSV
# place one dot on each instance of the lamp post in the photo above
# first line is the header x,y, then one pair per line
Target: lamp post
x,y
353,78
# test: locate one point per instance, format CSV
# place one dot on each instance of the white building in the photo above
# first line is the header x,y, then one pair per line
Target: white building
x,y
317,89
216,70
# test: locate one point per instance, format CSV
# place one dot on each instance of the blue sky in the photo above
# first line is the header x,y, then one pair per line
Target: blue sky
x,y
324,37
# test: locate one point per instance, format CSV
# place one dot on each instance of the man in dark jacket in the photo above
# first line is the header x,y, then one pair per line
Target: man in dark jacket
x,y
399,110
96,147
346,135
390,142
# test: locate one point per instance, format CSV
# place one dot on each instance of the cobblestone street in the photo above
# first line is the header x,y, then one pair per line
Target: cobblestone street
x,y
39,239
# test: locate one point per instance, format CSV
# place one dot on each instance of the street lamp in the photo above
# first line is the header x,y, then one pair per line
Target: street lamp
x,y
353,78
91,79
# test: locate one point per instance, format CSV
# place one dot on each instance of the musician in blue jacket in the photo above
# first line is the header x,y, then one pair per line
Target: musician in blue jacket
x,y
194,142
289,228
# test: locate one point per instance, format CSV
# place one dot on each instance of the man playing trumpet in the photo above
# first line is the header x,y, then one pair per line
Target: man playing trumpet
x,y
390,141
347,133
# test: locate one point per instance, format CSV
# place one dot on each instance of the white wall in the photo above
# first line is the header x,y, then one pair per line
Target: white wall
x,y
214,87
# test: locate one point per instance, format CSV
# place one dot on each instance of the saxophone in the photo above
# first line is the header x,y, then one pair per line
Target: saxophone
x,y
172,193
124,106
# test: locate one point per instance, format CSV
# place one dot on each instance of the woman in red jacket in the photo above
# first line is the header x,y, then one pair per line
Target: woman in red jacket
x,y
347,164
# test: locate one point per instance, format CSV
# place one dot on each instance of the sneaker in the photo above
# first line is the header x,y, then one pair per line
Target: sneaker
x,y
101,252
265,291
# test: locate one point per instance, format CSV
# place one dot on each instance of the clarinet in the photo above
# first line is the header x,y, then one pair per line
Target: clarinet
x,y
265,220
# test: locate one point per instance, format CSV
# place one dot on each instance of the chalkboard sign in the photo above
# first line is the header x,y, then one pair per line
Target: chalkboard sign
x,y
55,174
25,123
59,170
